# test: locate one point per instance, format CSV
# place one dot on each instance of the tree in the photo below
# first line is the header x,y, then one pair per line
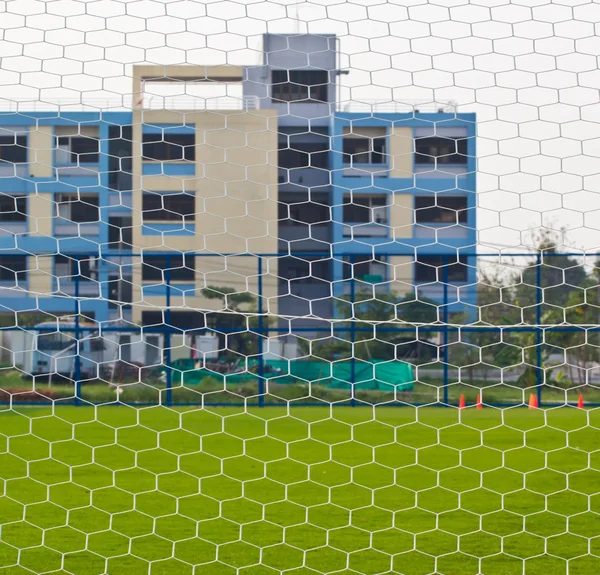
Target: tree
x,y
373,326
237,319
512,297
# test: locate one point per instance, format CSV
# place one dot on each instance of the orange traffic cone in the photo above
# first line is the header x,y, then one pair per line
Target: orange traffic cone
x,y
479,404
461,401
533,401
580,403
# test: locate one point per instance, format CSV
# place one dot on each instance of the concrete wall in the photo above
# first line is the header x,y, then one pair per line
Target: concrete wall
x,y
235,184
402,274
41,152
41,211
401,215
401,152
41,274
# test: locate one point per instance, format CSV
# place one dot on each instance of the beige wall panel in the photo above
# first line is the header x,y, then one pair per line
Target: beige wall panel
x,y
401,215
401,152
40,214
41,152
236,186
403,274
236,205
41,270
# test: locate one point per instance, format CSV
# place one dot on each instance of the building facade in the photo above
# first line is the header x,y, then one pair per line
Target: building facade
x,y
137,213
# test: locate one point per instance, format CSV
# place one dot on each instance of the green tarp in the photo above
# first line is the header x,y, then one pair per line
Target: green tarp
x,y
381,375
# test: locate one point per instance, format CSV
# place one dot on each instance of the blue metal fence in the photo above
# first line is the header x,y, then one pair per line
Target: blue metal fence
x,y
336,326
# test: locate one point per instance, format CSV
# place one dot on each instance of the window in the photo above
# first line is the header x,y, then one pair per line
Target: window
x,y
441,145
306,212
441,209
178,319
77,150
168,207
365,268
299,86
120,235
365,209
303,156
54,341
13,208
66,268
120,291
180,268
169,147
430,269
13,147
79,209
362,149
13,269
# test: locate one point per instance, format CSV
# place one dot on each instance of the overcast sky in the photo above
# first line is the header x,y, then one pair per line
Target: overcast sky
x,y
529,69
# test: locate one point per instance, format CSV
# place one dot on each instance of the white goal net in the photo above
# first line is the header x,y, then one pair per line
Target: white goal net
x,y
299,288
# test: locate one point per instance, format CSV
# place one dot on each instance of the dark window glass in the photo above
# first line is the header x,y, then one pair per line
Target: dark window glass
x,y
13,149
365,267
68,268
83,150
13,208
169,147
13,269
120,292
303,213
441,209
171,206
79,210
363,150
180,268
120,234
179,319
435,149
303,156
432,269
364,210
300,85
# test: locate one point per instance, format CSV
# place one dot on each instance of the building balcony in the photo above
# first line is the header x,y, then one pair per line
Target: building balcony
x,y
299,179
75,230
12,289
366,230
13,228
86,288
303,237
366,170
440,231
120,181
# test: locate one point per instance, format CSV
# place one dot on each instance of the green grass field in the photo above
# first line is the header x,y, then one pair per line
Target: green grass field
x,y
120,490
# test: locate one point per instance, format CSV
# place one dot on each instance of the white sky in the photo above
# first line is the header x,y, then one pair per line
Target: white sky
x,y
528,68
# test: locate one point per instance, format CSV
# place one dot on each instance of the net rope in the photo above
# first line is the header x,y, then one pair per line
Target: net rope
x,y
299,288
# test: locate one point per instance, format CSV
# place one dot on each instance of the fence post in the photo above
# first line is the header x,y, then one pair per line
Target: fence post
x,y
77,371
167,332
445,320
538,332
261,364
352,332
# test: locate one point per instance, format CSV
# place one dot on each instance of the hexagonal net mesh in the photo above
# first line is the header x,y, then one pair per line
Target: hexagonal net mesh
x,y
299,288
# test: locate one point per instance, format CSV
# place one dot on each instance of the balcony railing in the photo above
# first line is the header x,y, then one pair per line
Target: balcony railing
x,y
126,103
407,106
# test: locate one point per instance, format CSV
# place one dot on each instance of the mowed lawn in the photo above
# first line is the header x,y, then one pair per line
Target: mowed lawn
x,y
131,491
